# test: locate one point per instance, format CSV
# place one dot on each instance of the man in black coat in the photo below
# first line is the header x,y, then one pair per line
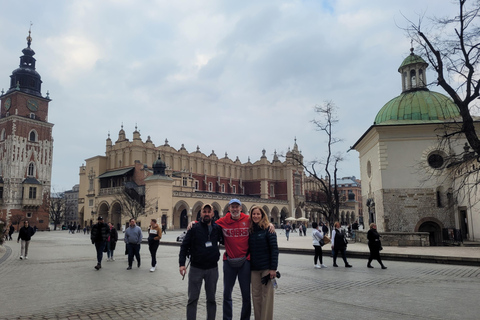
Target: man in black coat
x,y
99,236
25,234
201,243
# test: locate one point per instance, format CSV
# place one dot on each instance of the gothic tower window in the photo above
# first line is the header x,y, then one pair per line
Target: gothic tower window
x,y
31,170
32,136
32,193
3,135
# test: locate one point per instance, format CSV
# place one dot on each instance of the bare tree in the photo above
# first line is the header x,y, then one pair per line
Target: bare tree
x,y
56,208
132,203
16,218
451,45
323,173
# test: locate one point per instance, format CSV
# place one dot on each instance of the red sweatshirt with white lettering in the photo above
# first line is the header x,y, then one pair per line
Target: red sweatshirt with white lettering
x,y
235,235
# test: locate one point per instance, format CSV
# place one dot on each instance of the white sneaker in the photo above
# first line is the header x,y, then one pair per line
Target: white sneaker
x,y
316,266
26,258
21,257
113,259
152,269
323,266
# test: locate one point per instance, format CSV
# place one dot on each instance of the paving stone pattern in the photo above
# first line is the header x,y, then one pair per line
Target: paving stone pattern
x,y
59,282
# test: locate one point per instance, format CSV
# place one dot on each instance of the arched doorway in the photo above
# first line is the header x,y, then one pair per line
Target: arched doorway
x,y
434,230
183,219
116,216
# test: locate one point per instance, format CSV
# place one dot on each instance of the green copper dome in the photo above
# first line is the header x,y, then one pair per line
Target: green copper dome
x,y
411,59
419,106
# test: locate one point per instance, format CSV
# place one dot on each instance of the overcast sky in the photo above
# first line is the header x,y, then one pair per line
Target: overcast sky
x,y
229,76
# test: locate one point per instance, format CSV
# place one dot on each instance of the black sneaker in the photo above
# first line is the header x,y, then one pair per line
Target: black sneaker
x,y
129,268
348,265
335,265
138,264
97,267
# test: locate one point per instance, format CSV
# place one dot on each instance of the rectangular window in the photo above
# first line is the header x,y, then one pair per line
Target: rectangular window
x,y
272,190
196,184
32,193
1,192
184,181
29,214
234,189
298,188
223,187
210,187
90,203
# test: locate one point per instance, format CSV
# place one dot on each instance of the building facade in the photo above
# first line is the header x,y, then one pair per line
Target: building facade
x,y
407,181
71,206
26,146
190,180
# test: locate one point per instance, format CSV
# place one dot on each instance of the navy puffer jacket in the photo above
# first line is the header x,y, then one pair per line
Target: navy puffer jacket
x,y
263,249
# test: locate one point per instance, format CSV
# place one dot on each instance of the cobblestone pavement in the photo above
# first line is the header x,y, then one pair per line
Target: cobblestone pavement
x,y
59,282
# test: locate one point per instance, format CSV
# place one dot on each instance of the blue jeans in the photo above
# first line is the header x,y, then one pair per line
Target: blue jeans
x,y
133,250
230,275
100,246
195,278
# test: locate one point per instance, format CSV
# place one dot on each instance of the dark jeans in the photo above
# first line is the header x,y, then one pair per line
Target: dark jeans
x,y
318,254
344,255
133,250
195,278
100,246
230,274
153,246
109,250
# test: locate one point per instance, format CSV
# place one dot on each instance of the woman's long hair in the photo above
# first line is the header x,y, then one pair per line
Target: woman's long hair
x,y
263,223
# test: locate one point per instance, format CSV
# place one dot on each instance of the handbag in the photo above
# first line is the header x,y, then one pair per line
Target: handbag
x,y
326,239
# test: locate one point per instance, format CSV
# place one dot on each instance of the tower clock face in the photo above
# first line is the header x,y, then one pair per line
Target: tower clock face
x,y
8,104
32,104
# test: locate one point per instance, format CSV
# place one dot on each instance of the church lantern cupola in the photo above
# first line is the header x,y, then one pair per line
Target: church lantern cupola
x,y
413,70
25,78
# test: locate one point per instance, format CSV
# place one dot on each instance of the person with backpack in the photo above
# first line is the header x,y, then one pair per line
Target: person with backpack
x,y
288,228
339,245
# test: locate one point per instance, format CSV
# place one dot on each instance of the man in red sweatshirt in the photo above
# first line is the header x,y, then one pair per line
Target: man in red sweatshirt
x,y
236,260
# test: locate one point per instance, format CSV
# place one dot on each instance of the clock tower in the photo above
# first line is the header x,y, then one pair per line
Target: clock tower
x,y
26,147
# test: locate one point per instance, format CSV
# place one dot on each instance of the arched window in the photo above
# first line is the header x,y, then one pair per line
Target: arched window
x,y
32,136
413,78
31,170
420,77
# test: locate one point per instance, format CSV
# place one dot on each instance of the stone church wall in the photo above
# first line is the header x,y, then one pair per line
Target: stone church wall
x,y
404,208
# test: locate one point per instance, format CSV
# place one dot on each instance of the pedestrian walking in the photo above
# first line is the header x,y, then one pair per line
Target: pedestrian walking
x,y
201,244
287,229
374,245
339,245
164,227
154,236
133,239
99,236
263,263
300,229
11,230
317,235
111,242
304,229
25,234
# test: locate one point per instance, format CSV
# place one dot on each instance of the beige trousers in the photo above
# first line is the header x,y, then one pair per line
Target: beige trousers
x,y
262,296
24,248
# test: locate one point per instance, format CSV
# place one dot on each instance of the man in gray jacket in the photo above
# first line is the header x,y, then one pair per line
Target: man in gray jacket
x,y
133,239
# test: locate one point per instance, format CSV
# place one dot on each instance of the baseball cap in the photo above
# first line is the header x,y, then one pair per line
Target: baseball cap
x,y
207,205
234,201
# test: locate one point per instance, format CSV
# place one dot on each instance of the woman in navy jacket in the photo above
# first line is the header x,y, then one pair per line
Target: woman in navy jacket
x,y
263,262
